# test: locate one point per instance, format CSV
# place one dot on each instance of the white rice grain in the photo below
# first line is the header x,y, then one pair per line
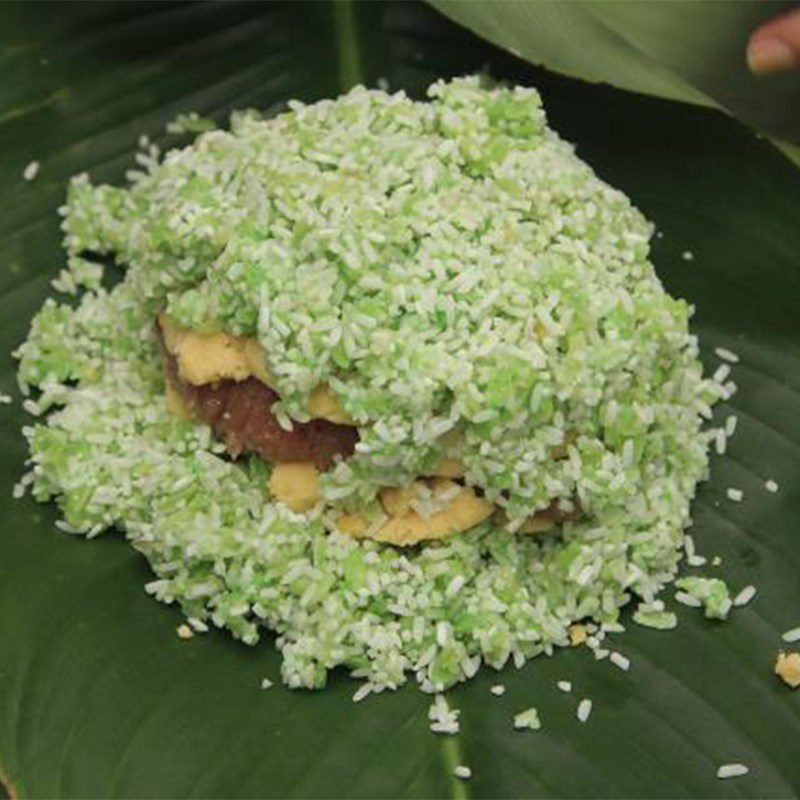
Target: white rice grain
x,y
31,407
792,635
31,171
722,372
732,771
584,709
619,660
455,586
745,596
362,692
684,598
726,355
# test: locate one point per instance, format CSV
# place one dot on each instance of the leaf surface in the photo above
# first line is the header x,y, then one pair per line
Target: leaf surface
x,y
98,695
683,50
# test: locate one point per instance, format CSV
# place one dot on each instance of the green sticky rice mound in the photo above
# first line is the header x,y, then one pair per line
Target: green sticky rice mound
x,y
468,287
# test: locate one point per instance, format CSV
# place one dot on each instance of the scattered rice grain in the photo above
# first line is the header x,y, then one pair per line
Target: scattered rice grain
x,y
727,355
732,771
620,661
527,719
792,635
745,596
31,171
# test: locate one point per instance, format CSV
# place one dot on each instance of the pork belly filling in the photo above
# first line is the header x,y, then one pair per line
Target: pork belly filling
x,y
221,380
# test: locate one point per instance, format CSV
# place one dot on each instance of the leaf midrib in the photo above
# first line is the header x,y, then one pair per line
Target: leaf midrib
x,y
348,50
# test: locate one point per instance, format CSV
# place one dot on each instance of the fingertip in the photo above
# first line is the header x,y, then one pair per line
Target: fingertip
x,y
769,54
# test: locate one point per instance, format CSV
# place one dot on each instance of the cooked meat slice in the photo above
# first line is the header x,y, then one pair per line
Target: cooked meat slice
x,y
240,414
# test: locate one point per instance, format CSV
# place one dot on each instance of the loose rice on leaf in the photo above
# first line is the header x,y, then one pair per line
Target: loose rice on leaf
x,y
711,593
528,719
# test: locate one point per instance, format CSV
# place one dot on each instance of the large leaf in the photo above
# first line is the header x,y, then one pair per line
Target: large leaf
x,y
100,698
685,50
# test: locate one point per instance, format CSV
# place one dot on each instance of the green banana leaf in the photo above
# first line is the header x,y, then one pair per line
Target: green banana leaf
x,y
98,695
685,50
